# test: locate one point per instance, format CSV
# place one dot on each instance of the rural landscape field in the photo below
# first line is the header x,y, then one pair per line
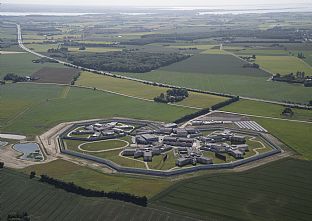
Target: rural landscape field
x,y
156,111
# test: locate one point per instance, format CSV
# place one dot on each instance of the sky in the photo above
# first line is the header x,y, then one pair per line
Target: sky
x,y
158,2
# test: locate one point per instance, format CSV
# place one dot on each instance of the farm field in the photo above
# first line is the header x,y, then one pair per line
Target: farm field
x,y
266,109
283,64
17,98
249,86
281,189
43,48
56,75
91,178
136,89
45,202
214,64
293,134
91,104
307,54
21,64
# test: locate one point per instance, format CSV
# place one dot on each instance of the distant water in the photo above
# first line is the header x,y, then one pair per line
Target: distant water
x,y
25,10
45,13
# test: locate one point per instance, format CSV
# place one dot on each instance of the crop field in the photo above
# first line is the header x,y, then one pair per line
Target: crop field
x,y
18,98
283,64
94,179
21,64
136,89
307,55
44,202
81,104
266,109
214,64
293,134
249,86
278,191
44,48
56,75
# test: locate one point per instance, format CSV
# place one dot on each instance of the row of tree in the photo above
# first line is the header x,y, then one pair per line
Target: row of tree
x,y
15,78
172,96
73,188
206,110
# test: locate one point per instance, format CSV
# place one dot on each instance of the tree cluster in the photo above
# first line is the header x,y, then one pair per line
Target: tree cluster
x,y
299,77
288,112
73,188
18,216
253,65
301,55
58,50
15,78
1,165
172,96
126,61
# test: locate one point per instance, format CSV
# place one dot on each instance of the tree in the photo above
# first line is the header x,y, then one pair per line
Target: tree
x,y
32,174
1,165
288,112
253,56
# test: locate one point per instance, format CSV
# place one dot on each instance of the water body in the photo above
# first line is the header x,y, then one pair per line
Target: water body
x,y
30,151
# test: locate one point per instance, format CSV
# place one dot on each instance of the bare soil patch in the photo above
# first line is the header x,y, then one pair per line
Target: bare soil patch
x,y
55,75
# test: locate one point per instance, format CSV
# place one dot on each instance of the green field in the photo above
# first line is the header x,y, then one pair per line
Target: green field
x,y
21,64
91,178
44,202
112,155
45,47
278,191
136,89
283,64
267,110
17,98
79,104
293,134
103,145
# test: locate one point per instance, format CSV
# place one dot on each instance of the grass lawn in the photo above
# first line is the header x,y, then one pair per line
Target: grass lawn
x,y
109,155
277,191
142,90
266,109
283,64
81,104
103,145
90,178
159,164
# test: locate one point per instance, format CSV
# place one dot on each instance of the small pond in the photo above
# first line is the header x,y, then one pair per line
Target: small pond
x,y
30,151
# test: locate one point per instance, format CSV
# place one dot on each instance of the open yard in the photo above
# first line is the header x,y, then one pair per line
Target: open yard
x,y
56,75
278,191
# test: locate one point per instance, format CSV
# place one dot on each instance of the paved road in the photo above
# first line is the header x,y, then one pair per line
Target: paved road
x,y
20,42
